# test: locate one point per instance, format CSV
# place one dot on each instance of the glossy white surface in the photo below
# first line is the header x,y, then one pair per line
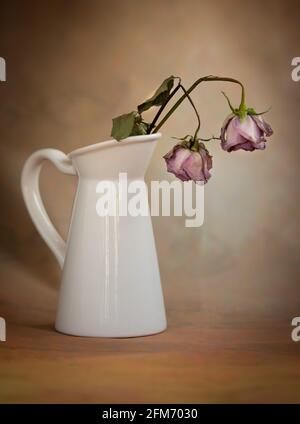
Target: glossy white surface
x,y
111,284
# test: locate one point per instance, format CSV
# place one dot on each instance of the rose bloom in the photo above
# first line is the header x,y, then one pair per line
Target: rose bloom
x,y
187,164
246,135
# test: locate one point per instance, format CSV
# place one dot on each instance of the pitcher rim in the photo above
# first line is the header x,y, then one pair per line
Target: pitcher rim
x,y
114,142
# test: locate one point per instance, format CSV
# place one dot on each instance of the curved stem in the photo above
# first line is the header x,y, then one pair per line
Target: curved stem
x,y
160,110
209,139
195,109
193,86
167,101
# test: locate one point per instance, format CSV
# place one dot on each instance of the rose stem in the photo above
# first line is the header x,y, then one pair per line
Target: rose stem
x,y
196,83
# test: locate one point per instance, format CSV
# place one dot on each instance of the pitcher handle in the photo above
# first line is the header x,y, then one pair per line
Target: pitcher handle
x,y
33,201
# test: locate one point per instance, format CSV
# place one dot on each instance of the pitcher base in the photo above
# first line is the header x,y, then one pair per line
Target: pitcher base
x,y
115,334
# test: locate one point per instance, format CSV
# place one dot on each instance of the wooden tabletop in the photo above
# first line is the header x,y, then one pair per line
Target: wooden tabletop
x,y
202,357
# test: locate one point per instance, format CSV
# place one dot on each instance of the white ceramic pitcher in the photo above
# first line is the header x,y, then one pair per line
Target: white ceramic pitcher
x,y
110,283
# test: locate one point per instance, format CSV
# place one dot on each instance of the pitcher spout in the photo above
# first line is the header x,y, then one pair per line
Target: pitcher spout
x,y
106,160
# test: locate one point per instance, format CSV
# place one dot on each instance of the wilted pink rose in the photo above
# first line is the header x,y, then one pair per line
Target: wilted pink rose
x,y
188,165
248,134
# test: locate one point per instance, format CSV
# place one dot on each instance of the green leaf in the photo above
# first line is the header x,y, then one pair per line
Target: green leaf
x,y
251,111
233,110
123,125
186,138
140,128
127,125
160,95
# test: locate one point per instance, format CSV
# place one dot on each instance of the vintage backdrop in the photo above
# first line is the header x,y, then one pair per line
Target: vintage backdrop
x,y
231,286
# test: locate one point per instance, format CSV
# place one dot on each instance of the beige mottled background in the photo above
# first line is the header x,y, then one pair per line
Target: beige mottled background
x,y
232,286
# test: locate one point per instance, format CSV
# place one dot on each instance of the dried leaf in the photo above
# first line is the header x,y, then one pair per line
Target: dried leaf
x,y
160,95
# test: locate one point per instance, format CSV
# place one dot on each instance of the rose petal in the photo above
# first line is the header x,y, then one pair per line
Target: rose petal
x,y
193,166
263,125
248,129
233,136
176,158
224,127
207,163
247,145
